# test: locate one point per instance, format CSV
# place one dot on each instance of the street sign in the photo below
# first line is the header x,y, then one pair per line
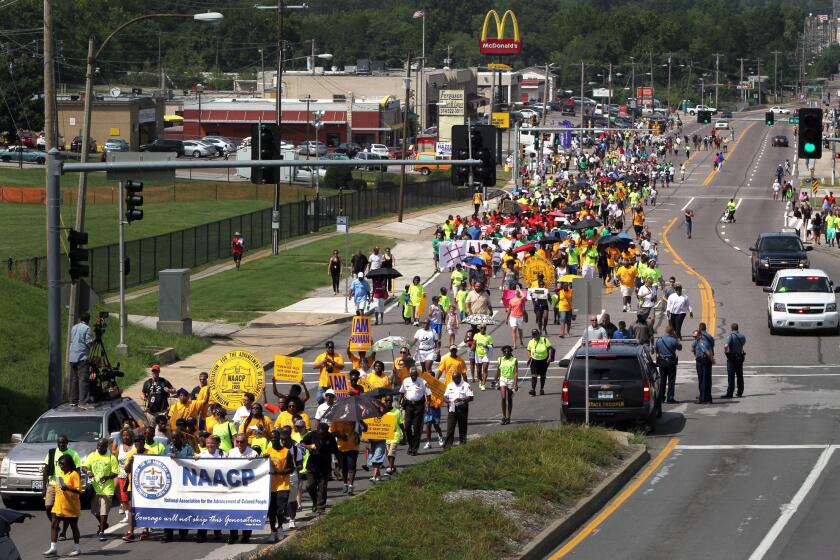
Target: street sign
x,y
586,296
793,120
275,219
601,92
500,120
342,224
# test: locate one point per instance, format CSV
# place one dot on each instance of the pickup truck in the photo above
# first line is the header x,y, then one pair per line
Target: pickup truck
x,y
695,110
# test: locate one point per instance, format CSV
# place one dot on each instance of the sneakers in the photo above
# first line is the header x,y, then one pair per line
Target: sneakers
x,y
374,479
275,537
350,490
128,537
144,535
344,489
482,387
76,551
440,441
428,445
532,393
292,524
102,537
280,534
125,518
51,551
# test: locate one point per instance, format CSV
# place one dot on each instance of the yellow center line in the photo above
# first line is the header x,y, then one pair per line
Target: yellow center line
x,y
707,298
728,155
617,502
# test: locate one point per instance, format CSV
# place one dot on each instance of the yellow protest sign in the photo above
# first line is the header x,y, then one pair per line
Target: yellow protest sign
x,y
360,338
234,374
500,120
340,383
288,368
380,428
436,386
535,266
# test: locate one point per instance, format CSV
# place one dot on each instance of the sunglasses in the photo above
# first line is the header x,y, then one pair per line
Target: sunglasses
x,y
403,352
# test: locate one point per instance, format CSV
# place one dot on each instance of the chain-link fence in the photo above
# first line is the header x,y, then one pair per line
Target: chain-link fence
x,y
206,243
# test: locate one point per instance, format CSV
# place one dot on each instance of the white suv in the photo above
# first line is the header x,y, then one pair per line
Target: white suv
x,y
802,299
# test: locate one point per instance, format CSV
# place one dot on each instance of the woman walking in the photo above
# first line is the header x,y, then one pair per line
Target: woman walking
x,y
507,379
388,261
334,268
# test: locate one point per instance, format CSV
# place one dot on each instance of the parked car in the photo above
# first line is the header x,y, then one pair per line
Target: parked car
x,y
529,112
348,148
780,140
312,148
426,163
365,158
161,145
622,383
223,145
24,154
21,469
76,145
199,149
115,145
802,299
774,251
380,149
335,156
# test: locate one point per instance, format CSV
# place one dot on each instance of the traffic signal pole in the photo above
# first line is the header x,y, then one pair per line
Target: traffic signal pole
x,y
54,275
122,347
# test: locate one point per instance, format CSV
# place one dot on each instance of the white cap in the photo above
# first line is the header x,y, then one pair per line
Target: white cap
x,y
361,275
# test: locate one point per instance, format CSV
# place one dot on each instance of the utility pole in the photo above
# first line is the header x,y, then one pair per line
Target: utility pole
x,y
400,207
609,93
160,66
717,79
545,95
650,53
262,72
669,84
741,80
582,112
759,80
278,119
775,75
49,79
633,87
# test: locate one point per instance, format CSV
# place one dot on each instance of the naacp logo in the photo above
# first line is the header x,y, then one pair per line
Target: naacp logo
x,y
152,479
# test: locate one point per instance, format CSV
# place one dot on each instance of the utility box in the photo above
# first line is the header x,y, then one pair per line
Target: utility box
x,y
174,306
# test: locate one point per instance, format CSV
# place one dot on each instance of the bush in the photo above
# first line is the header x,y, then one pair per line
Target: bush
x,y
357,184
386,185
338,177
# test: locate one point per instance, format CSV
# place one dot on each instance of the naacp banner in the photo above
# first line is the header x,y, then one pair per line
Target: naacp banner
x,y
200,493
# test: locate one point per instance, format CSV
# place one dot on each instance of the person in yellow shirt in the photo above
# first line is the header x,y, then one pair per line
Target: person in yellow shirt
x,y
254,419
377,377
294,411
67,506
402,363
348,452
450,364
327,362
282,466
626,274
186,408
199,394
638,220
564,306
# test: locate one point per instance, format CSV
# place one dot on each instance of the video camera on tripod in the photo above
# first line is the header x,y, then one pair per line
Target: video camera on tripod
x,y
103,383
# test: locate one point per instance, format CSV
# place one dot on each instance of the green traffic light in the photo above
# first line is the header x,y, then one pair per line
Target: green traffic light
x,y
809,147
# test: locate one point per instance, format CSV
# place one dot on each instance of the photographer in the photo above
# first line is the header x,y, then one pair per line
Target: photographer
x,y
156,393
81,340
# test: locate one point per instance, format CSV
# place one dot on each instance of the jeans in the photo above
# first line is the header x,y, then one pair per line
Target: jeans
x,y
704,379
457,418
688,229
676,321
79,382
735,371
414,411
316,486
667,380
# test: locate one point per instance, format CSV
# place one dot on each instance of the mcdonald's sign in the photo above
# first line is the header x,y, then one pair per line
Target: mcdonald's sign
x,y
500,44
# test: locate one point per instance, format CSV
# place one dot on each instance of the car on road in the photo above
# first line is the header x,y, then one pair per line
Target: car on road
x,y
76,145
530,112
802,299
722,124
427,162
115,145
380,149
779,141
365,158
312,148
774,251
697,108
162,145
725,114
23,154
21,469
779,110
199,149
622,383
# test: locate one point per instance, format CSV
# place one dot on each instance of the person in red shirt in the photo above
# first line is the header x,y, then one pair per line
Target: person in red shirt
x,y
237,248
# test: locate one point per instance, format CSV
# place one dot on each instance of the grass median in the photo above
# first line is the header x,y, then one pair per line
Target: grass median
x,y
539,471
24,361
263,285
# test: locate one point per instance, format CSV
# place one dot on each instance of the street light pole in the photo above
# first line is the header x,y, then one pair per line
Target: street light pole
x,y
775,75
262,73
278,119
401,205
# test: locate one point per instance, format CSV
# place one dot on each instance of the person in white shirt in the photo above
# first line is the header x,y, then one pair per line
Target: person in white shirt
x,y
415,392
329,400
212,451
676,308
245,410
241,450
374,260
595,331
647,297
457,396
426,339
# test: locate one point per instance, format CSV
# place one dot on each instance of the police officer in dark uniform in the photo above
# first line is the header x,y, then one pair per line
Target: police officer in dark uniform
x,y
734,350
666,358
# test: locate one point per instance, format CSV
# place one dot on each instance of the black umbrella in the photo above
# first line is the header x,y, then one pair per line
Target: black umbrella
x,y
569,209
380,392
621,241
588,223
354,408
383,274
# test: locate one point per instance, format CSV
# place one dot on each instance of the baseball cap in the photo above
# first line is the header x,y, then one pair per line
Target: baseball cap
x,y
182,391
329,392
155,367
300,424
361,275
453,347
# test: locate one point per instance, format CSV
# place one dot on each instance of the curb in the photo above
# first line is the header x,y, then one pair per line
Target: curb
x,y
561,529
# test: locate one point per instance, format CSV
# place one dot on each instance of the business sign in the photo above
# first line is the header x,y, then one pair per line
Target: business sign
x,y
500,44
601,92
443,149
219,494
793,120
644,93
360,338
451,103
146,115
288,369
380,429
744,85
500,120
234,374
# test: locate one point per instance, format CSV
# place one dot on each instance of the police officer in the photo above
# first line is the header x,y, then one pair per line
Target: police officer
x,y
734,350
703,360
666,354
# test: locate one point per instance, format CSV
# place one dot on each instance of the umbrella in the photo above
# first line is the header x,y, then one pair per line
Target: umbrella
x,y
383,273
354,408
587,224
523,248
556,213
620,240
569,209
569,277
479,320
581,183
556,237
389,343
380,392
474,260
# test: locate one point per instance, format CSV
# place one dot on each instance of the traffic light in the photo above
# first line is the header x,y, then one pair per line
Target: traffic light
x,y
769,118
265,144
484,149
460,174
133,200
78,254
809,144
704,117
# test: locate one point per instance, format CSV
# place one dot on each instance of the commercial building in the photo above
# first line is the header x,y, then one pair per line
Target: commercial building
x,y
505,85
135,118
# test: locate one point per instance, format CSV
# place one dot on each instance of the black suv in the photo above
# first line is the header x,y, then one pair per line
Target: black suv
x,y
622,384
775,251
161,145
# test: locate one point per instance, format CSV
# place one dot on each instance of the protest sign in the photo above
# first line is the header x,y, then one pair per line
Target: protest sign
x,y
288,368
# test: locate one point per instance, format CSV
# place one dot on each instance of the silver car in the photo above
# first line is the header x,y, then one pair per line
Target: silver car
x,y
21,470
198,149
116,145
223,145
312,148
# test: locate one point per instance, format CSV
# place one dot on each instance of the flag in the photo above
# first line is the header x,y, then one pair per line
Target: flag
x,y
419,14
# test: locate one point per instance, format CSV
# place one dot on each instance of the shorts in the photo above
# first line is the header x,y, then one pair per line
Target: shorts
x,y
379,305
539,367
516,322
377,454
426,355
432,416
101,505
627,291
49,497
360,303
437,327
485,358
121,492
471,354
237,257
505,382
541,305
566,317
392,449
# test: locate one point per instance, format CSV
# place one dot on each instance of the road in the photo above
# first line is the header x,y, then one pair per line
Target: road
x,y
753,477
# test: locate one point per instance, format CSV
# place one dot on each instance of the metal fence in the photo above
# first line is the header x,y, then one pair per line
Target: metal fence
x,y
206,243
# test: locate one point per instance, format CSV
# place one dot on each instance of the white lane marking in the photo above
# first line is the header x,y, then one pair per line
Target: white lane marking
x,y
738,205
687,204
736,248
789,510
753,446
117,526
726,240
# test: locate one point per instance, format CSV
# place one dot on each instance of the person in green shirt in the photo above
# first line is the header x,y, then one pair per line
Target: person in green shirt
x,y
405,301
458,276
223,429
507,379
436,248
152,447
415,294
540,354
102,468
444,300
483,354
461,299
49,480
394,442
